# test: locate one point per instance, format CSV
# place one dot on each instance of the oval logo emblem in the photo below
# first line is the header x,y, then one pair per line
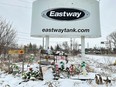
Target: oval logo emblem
x,y
65,14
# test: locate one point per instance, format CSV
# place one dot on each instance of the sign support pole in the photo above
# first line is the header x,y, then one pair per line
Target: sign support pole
x,y
82,47
9,63
43,42
23,60
47,42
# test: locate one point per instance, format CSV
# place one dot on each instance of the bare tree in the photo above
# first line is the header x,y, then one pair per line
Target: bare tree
x,y
75,45
112,38
109,44
65,45
7,36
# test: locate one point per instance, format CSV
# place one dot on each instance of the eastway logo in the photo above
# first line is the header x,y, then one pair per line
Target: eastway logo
x,y
65,14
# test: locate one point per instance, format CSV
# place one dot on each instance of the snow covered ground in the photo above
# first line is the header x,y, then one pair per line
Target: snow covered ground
x,y
100,64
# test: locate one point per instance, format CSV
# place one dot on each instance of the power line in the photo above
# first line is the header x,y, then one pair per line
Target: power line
x,y
28,38
31,38
23,39
23,33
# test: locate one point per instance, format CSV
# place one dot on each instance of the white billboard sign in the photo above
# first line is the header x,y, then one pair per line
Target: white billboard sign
x,y
65,18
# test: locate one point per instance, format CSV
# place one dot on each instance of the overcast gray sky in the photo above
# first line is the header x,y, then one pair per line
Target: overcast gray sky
x,y
19,13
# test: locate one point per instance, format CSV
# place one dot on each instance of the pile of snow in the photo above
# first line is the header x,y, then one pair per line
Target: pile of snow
x,y
9,80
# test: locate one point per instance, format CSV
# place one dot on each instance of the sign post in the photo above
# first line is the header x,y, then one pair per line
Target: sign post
x,y
20,52
47,42
23,60
83,47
